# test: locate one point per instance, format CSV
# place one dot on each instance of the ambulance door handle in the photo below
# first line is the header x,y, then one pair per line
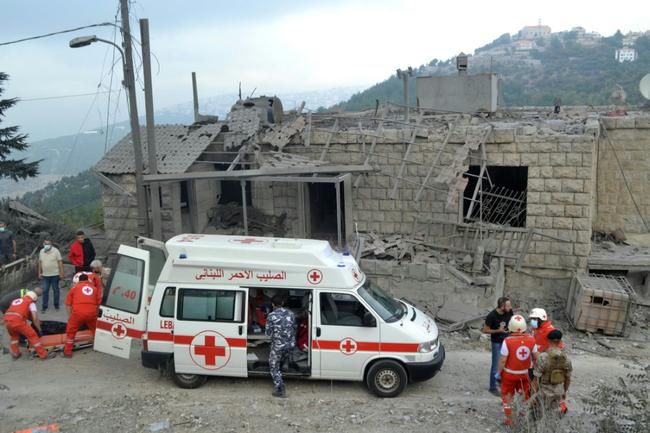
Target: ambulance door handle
x,y
241,329
318,331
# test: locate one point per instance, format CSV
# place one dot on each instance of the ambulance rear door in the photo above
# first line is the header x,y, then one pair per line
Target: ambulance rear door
x,y
157,259
123,313
210,330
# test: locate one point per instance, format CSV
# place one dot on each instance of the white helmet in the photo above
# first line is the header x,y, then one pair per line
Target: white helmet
x,y
517,324
538,313
32,295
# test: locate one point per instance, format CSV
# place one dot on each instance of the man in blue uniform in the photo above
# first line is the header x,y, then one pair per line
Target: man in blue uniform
x,y
281,327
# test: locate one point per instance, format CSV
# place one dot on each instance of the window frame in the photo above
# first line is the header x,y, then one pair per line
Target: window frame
x,y
109,286
368,310
179,304
162,303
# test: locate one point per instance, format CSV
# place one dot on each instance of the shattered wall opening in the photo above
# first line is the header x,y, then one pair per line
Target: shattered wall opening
x,y
322,211
231,192
501,197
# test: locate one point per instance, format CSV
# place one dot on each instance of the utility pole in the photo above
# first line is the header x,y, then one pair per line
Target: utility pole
x,y
154,187
404,76
129,83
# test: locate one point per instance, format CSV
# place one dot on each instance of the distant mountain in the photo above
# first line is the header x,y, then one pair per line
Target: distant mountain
x,y
579,67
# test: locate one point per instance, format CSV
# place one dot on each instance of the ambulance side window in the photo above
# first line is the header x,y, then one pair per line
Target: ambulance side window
x,y
210,305
342,309
125,288
167,304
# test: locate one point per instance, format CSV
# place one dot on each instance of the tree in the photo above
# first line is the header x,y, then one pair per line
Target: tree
x,y
11,140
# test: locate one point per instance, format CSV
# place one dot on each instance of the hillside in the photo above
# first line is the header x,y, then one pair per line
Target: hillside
x,y
73,200
581,72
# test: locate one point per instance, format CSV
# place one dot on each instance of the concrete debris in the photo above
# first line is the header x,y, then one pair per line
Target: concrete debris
x,y
230,215
284,160
280,135
242,125
30,228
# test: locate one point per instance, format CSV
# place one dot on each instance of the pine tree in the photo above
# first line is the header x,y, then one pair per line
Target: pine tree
x,y
11,140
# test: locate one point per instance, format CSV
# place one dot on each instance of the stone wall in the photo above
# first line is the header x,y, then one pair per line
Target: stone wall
x,y
629,140
560,183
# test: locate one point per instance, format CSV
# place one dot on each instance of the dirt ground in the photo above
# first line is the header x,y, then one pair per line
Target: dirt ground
x,y
93,392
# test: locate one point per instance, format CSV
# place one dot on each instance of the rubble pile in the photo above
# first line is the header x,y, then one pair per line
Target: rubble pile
x,y
30,228
413,249
231,216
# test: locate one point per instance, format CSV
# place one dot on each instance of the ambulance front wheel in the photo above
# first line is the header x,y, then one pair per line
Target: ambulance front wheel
x,y
187,381
386,379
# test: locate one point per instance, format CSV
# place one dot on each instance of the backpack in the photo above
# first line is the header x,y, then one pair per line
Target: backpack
x,y
557,366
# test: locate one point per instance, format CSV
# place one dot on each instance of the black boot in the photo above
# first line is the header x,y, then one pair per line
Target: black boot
x,y
279,392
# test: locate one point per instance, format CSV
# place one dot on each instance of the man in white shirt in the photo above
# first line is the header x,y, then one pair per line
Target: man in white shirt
x,y
50,272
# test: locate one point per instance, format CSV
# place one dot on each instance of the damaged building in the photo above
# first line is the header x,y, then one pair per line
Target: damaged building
x,y
439,207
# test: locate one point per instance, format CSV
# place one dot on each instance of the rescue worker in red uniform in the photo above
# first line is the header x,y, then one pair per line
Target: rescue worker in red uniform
x,y
540,327
517,354
82,303
15,320
94,275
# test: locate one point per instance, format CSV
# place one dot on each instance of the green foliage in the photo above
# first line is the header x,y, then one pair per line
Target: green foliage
x,y
75,200
12,141
501,40
579,74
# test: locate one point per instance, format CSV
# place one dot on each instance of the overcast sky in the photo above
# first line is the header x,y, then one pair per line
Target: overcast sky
x,y
276,46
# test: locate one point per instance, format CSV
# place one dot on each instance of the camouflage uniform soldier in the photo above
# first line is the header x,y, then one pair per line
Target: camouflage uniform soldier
x,y
553,374
281,327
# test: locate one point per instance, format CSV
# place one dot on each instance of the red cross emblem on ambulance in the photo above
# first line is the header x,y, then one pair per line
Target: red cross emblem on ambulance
x,y
118,330
522,353
210,350
348,346
315,276
248,241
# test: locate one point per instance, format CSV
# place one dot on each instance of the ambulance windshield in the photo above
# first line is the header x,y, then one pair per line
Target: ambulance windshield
x,y
388,308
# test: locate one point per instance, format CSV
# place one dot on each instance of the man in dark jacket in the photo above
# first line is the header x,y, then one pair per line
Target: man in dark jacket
x,y
82,253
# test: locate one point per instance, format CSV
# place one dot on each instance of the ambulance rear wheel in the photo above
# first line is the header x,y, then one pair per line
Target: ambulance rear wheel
x,y
386,379
187,381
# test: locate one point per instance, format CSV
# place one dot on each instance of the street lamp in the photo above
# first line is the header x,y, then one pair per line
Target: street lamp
x,y
84,41
129,84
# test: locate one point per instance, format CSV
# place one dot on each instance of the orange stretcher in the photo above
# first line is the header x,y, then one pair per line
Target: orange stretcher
x,y
54,336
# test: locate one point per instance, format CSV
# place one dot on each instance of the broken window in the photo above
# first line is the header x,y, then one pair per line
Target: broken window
x,y
322,210
500,198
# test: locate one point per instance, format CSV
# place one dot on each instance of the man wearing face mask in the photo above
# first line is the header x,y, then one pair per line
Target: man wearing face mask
x,y
50,272
7,245
82,253
540,327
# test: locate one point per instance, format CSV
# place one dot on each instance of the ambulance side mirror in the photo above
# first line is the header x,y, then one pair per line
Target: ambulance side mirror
x,y
369,320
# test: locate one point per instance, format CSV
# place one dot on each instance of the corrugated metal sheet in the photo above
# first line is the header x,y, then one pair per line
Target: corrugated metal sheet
x,y
177,147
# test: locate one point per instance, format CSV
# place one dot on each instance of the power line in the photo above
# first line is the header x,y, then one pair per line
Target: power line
x,y
77,95
56,33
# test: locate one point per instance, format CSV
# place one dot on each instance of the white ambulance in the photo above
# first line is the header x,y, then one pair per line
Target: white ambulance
x,y
199,302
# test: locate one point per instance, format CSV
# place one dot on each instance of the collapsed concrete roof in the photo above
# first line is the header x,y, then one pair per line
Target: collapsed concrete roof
x,y
177,148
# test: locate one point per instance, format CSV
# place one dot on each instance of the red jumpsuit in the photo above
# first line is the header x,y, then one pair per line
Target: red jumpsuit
x,y
93,279
84,298
514,379
15,320
541,336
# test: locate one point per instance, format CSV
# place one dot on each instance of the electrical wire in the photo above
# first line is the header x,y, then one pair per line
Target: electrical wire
x,y
55,33
110,84
76,95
